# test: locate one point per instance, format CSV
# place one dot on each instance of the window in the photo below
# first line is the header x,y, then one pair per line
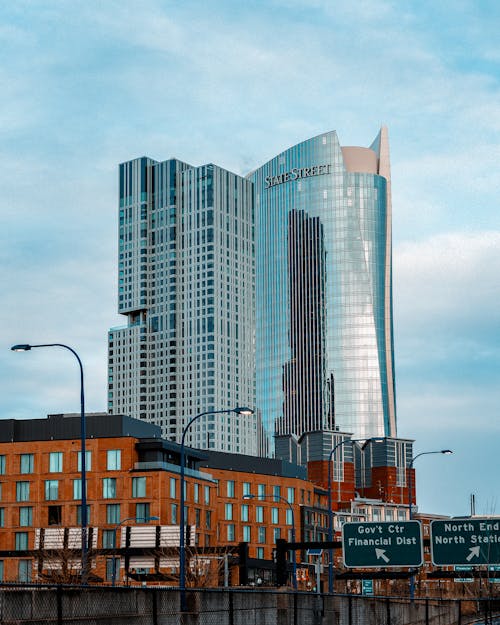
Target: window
x,y
114,461
112,513
197,517
108,539
55,515
246,488
207,495
259,514
208,519
142,512
88,461
2,465
230,532
173,488
2,517
196,493
230,488
260,553
110,562
244,512
22,491
26,516
276,493
277,533
138,487
389,514
1,571
77,488
229,512
21,541
27,463
289,517
261,491
24,570
51,490
246,533
55,462
261,534
79,515
109,487
173,513
274,516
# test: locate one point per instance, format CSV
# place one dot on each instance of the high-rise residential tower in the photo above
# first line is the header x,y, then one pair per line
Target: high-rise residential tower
x,y
186,287
324,338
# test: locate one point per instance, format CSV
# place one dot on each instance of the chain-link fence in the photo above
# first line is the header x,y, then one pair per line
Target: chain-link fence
x,y
47,605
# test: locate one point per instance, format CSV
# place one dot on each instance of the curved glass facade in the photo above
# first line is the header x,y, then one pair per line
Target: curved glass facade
x,y
324,344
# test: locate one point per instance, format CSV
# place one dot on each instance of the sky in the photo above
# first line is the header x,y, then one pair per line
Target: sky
x,y
87,85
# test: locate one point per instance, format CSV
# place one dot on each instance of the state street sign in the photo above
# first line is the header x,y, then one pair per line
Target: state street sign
x,y
465,541
377,545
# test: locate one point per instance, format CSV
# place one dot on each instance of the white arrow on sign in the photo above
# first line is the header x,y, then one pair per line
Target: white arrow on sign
x,y
474,553
380,553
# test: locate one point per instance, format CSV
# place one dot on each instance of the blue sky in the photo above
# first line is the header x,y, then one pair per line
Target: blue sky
x,y
86,85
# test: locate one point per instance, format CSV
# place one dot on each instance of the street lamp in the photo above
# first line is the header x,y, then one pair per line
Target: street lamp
x,y
241,410
281,498
83,436
410,499
375,439
138,519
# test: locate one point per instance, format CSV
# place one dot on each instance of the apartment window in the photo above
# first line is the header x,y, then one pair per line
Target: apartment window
x,y
114,459
260,553
196,493
276,533
197,517
142,512
108,539
22,491
208,519
290,494
244,513
77,488
26,516
55,462
88,461
389,514
259,514
275,516
1,571
261,534
289,517
230,533
173,513
246,533
21,541
2,465
79,515
110,563
138,487
207,495
173,488
2,517
230,488
27,463
55,515
109,488
246,488
276,493
51,490
24,568
229,512
113,513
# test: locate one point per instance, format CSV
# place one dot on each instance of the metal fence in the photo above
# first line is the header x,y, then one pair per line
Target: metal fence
x,y
47,605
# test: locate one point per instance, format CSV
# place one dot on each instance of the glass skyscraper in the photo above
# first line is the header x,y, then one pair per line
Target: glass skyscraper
x,y
324,338
272,291
186,286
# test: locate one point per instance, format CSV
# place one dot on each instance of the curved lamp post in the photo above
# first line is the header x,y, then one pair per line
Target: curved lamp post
x,y
83,436
410,499
375,439
139,519
281,498
241,410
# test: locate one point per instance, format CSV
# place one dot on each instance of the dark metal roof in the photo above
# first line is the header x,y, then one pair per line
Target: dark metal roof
x,y
252,464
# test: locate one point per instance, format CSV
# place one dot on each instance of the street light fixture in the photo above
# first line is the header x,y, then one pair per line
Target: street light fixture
x,y
447,452
366,442
83,436
281,498
138,519
241,410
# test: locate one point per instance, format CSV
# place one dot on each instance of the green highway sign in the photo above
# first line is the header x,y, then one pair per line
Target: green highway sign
x,y
377,545
465,541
